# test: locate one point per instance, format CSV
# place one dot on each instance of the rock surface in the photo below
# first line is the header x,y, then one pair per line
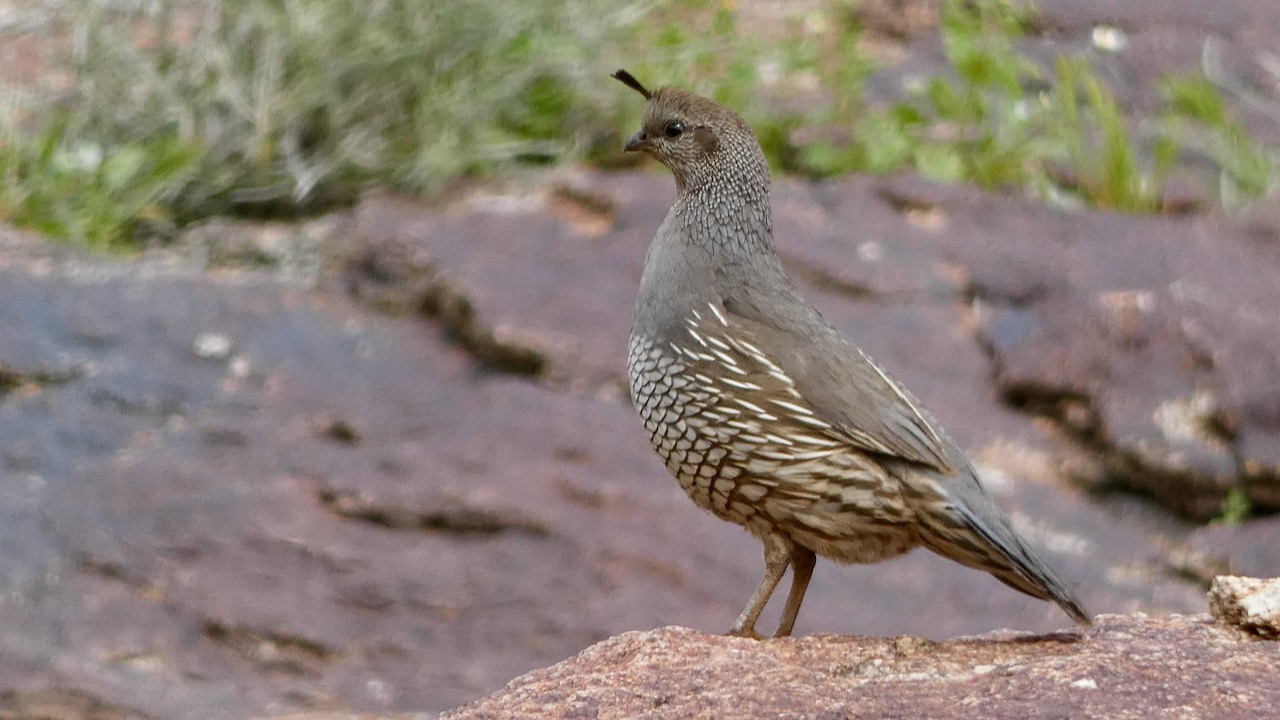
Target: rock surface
x,y
1123,667
1146,341
228,491
1247,603
234,493
383,461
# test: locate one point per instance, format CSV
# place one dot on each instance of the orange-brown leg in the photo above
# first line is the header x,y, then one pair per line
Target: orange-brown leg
x,y
778,551
802,562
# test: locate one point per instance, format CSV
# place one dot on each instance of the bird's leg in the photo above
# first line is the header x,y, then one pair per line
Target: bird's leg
x,y
802,562
777,555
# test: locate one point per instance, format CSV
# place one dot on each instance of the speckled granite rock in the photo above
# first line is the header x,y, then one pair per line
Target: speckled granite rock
x,y
1123,667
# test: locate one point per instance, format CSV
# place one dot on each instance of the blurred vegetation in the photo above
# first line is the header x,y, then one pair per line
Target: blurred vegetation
x,y
183,109
1237,507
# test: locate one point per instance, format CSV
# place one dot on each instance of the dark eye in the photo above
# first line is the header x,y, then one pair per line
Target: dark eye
x,y
674,129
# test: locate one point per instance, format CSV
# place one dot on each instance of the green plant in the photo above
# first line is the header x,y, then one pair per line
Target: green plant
x,y
186,108
1236,507
90,194
841,68
999,120
289,106
1108,169
1197,117
983,124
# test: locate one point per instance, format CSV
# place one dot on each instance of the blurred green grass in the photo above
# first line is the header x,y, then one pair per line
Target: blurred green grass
x,y
183,109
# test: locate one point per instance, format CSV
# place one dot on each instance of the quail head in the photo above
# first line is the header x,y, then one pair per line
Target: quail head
x,y
766,415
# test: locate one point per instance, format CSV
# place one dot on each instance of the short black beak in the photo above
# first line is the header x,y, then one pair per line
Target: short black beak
x,y
639,141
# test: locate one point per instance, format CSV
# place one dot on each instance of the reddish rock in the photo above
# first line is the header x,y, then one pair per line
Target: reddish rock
x,y
1120,668
1251,548
228,494
1146,340
241,494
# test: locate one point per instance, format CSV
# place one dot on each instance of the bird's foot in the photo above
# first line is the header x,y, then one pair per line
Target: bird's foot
x,y
745,633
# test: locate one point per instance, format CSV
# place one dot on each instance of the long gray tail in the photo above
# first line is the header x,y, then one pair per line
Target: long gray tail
x,y
967,527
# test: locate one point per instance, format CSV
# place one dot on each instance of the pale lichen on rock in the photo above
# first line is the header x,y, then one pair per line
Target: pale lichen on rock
x,y
1252,604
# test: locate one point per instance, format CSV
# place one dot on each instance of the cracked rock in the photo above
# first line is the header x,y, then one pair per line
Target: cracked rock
x,y
1251,604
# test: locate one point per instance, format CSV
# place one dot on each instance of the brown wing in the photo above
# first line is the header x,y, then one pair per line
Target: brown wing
x,y
843,386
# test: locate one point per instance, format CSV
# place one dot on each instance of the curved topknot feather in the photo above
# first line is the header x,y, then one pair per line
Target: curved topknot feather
x,y
630,81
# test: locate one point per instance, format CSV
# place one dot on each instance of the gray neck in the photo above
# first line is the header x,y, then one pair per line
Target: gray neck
x,y
730,225
714,242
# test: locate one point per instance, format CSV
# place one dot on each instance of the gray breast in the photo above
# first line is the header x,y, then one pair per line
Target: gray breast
x,y
742,443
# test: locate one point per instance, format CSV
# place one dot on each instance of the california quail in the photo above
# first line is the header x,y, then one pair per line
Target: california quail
x,y
766,415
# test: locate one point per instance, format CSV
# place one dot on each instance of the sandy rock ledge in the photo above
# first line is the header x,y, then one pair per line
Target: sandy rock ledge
x,y
1123,667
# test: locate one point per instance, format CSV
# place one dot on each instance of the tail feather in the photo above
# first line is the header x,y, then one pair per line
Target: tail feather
x,y
1017,565
977,534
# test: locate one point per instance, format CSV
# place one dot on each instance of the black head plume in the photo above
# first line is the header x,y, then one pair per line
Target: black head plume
x,y
630,81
